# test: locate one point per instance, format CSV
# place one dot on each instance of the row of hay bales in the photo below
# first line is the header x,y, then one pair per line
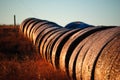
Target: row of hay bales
x,y
87,53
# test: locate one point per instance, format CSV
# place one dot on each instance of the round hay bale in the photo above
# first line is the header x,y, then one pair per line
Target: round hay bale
x,y
107,65
38,25
94,51
60,31
58,46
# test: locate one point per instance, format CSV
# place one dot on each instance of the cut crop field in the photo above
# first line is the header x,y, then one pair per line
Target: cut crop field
x,y
19,59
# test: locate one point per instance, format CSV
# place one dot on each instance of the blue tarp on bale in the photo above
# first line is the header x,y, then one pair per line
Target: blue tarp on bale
x,y
77,24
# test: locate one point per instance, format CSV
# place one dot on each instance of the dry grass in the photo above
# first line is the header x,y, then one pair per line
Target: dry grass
x,y
19,59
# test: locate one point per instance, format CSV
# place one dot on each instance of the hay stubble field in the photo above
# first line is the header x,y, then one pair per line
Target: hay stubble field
x,y
19,59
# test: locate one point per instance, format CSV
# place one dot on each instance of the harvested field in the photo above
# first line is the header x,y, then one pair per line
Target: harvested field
x,y
19,59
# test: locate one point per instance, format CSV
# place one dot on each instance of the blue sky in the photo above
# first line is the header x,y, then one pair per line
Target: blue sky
x,y
95,12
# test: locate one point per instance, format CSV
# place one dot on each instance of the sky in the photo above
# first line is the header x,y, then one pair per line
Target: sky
x,y
62,12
